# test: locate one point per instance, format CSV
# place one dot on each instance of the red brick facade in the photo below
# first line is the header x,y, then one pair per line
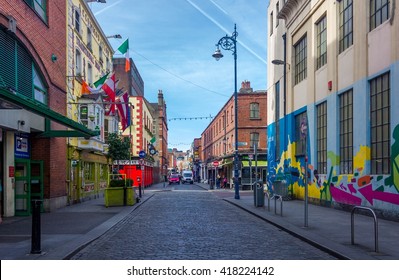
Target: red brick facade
x,y
44,40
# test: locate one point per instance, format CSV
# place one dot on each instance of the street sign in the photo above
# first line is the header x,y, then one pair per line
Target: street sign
x,y
142,154
216,163
242,143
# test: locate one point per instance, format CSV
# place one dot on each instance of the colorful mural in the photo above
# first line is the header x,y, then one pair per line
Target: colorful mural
x,y
359,188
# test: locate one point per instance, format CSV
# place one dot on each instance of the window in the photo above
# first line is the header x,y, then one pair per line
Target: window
x,y
18,70
301,133
89,73
40,91
77,21
380,124
232,116
345,24
271,23
254,111
78,63
89,171
379,12
84,115
89,39
346,132
300,60
254,139
277,117
322,138
321,29
277,11
100,54
40,7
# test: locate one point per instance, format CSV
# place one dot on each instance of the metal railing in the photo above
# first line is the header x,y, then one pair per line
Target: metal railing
x,y
375,225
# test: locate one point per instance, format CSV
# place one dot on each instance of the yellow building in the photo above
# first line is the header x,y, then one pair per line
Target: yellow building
x,y
89,58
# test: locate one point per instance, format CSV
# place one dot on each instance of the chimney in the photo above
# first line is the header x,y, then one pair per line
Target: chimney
x,y
246,87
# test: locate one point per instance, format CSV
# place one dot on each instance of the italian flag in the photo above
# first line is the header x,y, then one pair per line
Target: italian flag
x,y
124,49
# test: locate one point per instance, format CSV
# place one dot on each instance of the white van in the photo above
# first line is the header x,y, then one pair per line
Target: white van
x,y
187,177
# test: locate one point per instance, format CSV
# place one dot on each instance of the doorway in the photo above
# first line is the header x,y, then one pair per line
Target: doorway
x,y
28,185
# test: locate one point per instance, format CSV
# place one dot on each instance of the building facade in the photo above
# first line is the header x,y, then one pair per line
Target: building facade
x,y
333,128
89,58
33,126
218,142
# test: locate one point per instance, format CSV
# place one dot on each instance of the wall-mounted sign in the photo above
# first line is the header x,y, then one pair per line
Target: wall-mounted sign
x,y
21,147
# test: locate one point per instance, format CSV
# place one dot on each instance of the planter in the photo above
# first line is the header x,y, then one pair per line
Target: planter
x,y
114,196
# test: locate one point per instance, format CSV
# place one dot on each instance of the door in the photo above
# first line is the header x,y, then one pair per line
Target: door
x,y
28,185
22,187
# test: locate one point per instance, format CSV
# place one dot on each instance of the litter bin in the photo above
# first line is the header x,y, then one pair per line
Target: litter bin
x,y
259,194
211,184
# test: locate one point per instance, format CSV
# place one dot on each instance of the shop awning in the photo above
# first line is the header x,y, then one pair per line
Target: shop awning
x,y
77,129
260,163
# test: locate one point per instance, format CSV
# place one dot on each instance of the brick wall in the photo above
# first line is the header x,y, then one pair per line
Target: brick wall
x,y
42,40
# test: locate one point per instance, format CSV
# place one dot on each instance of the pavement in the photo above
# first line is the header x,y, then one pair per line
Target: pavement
x,y
69,229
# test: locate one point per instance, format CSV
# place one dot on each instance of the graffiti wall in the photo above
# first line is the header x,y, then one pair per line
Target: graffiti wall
x,y
380,192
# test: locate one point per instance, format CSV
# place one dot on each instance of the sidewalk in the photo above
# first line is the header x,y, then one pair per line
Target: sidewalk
x,y
328,229
63,231
71,228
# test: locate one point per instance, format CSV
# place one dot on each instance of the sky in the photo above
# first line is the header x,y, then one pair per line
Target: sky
x,y
172,42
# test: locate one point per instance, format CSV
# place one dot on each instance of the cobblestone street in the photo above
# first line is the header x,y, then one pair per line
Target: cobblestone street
x,y
185,223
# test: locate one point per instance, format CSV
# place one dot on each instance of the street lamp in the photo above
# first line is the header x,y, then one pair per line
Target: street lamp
x,y
116,36
99,1
229,43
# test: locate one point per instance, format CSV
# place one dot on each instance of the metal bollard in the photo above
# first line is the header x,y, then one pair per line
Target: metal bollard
x,y
36,227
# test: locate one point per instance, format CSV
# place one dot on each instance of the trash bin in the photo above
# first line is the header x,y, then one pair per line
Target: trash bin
x,y
259,195
211,184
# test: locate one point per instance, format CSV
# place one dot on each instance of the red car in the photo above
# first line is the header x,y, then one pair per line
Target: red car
x,y
174,178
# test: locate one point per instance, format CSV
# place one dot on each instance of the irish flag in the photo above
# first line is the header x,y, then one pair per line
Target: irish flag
x,y
86,89
124,49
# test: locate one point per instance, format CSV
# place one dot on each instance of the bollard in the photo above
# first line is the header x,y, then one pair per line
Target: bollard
x,y
36,227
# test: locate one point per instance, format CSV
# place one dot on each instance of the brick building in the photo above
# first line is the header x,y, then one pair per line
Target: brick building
x,y
32,105
218,138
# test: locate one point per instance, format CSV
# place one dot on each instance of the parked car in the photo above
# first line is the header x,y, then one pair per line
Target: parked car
x,y
174,178
187,177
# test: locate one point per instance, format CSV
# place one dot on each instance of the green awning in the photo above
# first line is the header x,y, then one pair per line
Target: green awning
x,y
260,163
78,130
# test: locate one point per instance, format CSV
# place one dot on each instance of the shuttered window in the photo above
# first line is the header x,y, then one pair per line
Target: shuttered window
x,y
17,69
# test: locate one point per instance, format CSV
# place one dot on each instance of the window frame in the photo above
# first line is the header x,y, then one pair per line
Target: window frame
x,y
321,39
253,138
378,12
346,132
345,21
300,149
380,121
321,137
254,110
40,8
300,57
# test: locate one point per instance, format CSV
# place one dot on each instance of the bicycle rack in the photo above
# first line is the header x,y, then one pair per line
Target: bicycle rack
x,y
375,225
268,200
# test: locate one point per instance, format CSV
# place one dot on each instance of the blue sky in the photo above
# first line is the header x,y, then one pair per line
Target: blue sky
x,y
172,42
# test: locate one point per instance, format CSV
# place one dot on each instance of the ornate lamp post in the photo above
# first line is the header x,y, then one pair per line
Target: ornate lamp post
x,y
229,43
